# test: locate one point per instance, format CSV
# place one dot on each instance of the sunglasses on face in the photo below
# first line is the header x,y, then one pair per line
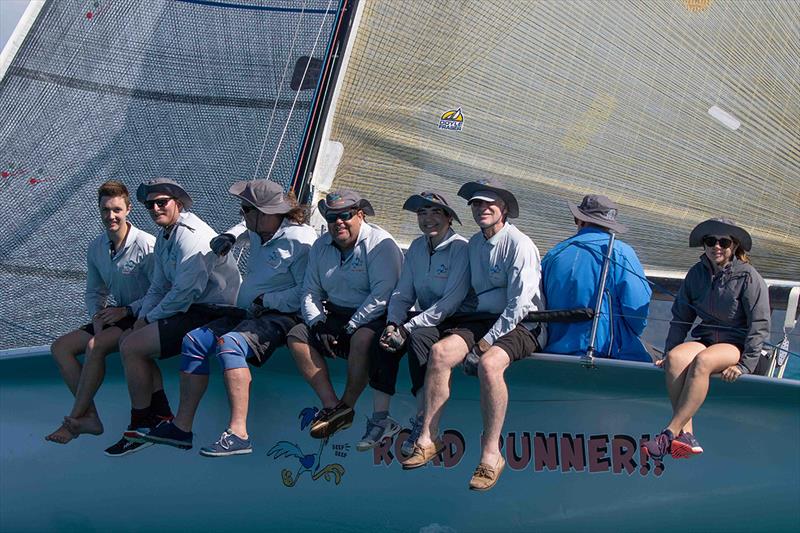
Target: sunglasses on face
x,y
160,202
344,216
712,241
246,209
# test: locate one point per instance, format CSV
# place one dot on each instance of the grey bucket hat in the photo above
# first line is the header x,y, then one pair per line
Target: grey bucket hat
x,y
598,209
265,195
416,202
720,226
343,200
490,190
165,186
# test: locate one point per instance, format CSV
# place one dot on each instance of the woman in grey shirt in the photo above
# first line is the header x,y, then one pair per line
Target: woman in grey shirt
x,y
732,301
435,276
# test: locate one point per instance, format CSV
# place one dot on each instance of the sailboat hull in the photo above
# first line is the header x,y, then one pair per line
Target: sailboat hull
x,y
571,440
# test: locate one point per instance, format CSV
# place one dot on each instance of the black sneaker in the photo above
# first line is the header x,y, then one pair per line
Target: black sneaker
x,y
329,421
138,433
170,434
125,447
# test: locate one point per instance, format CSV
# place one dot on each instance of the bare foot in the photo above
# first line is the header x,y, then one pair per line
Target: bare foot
x,y
84,424
62,435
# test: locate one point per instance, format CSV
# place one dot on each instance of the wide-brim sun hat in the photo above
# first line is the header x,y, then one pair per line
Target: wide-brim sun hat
x,y
164,186
599,210
472,191
343,200
415,202
720,226
265,195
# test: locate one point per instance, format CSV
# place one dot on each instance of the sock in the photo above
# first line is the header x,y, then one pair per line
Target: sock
x,y
140,417
160,404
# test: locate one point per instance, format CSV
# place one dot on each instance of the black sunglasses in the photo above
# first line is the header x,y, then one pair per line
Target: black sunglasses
x,y
344,216
246,209
712,241
160,202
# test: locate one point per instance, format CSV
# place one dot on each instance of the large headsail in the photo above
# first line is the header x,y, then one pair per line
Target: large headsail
x,y
559,99
203,91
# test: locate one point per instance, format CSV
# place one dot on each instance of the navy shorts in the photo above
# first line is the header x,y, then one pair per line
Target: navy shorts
x,y
123,324
172,329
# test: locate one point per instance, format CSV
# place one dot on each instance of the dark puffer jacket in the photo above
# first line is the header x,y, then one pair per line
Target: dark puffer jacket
x,y
733,306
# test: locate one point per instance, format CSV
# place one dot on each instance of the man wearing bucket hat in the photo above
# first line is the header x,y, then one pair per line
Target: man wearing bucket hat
x,y
190,287
505,275
732,301
267,308
570,275
354,268
435,276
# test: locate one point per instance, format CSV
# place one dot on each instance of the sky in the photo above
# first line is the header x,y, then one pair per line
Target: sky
x,y
10,13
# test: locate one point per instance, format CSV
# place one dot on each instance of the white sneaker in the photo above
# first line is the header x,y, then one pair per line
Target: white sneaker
x,y
376,432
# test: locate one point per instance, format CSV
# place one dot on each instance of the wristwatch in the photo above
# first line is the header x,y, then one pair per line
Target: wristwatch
x,y
483,345
350,328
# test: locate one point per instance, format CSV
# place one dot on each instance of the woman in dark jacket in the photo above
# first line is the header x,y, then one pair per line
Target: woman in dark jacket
x,y
731,300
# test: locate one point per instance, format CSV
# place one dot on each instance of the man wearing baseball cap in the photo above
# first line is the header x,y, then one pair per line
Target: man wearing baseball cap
x,y
571,272
267,308
504,272
190,287
354,268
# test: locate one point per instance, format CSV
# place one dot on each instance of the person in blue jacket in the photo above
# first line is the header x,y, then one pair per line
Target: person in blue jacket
x,y
571,272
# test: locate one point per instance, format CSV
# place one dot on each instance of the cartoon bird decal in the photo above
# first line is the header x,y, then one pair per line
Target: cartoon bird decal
x,y
308,462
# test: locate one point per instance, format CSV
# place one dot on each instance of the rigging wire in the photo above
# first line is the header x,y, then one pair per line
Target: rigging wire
x,y
297,94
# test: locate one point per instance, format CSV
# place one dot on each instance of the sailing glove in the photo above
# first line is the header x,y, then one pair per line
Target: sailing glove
x,y
325,337
222,244
471,363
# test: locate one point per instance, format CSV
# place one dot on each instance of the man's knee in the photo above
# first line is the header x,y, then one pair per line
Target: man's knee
x,y
443,356
493,363
61,349
196,346
233,351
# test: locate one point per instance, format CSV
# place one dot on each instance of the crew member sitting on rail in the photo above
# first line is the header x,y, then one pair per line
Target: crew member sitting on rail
x,y
267,308
118,263
435,276
732,301
191,286
505,275
570,275
354,268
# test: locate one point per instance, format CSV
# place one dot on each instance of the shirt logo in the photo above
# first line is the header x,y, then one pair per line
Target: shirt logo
x,y
495,269
441,269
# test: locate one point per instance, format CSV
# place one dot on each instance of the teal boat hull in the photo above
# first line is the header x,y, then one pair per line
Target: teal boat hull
x,y
571,439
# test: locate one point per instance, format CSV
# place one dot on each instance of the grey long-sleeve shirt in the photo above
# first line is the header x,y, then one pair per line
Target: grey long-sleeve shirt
x,y
125,274
437,280
506,276
364,281
187,271
733,306
276,268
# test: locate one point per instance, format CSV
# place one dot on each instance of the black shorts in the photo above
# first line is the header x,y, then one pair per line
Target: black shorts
x,y
334,323
708,342
518,343
123,324
264,334
172,329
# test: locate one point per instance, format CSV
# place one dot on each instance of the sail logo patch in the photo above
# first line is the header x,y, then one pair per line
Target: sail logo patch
x,y
452,120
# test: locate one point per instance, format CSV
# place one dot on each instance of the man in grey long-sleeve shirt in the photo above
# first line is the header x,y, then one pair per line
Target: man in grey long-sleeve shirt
x,y
505,273
118,264
191,287
354,268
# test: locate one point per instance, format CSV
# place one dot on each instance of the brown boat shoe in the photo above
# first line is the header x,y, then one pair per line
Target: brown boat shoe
x,y
423,454
486,476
